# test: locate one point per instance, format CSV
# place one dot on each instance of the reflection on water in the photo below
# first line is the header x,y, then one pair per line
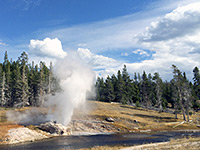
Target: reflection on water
x,y
77,142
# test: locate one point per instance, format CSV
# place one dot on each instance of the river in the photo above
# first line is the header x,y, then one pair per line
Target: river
x,y
77,142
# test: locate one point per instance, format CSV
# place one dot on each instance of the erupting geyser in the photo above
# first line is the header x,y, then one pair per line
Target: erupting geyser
x,y
76,79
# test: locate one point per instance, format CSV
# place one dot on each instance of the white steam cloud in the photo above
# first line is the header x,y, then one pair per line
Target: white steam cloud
x,y
76,79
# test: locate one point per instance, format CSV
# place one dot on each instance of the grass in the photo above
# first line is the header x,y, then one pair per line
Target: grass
x,y
126,117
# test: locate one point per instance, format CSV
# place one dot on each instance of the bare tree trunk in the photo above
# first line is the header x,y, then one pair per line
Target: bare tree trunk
x,y
184,118
188,116
176,114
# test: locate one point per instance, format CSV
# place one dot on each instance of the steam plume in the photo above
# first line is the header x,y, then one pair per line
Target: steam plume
x,y
75,79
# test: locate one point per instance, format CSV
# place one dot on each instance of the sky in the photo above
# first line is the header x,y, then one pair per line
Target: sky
x,y
148,35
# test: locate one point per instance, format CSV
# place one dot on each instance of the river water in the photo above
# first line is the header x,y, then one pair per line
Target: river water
x,y
77,142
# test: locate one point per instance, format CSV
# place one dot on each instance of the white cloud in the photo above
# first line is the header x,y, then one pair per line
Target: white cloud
x,y
97,61
175,38
47,48
2,43
116,33
140,52
124,54
104,35
180,22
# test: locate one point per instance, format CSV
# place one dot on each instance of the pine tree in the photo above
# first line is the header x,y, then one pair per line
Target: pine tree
x,y
3,102
23,60
196,80
34,85
50,79
25,87
31,84
151,90
41,84
16,86
136,89
167,94
145,90
120,97
100,86
183,92
6,69
109,90
128,86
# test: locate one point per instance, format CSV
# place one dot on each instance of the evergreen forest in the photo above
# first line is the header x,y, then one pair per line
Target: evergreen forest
x,y
149,91
23,84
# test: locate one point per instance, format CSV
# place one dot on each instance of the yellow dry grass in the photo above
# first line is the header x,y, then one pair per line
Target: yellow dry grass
x,y
125,117
5,125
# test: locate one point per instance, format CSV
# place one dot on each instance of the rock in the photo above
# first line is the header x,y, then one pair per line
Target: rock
x,y
18,135
54,128
109,119
144,131
136,121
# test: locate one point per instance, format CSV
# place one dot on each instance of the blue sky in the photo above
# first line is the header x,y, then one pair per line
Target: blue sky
x,y
146,35
22,17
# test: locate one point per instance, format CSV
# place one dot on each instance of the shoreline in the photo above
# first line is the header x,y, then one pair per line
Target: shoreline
x,y
82,133
175,142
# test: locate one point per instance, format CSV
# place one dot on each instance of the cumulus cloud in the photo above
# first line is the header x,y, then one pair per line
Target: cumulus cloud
x,y
175,39
47,48
97,61
182,21
140,52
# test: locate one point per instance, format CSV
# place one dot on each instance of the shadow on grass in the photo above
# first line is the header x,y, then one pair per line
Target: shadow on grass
x,y
164,119
131,107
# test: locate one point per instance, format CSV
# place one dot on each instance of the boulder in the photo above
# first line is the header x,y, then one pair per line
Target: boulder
x,y
109,119
54,128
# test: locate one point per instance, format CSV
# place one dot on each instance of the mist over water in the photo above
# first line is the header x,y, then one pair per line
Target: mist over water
x,y
76,79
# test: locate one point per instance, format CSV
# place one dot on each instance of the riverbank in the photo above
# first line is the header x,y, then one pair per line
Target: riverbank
x,y
92,118
179,144
174,144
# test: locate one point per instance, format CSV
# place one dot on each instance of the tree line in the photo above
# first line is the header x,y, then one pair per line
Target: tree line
x,y
23,84
151,91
